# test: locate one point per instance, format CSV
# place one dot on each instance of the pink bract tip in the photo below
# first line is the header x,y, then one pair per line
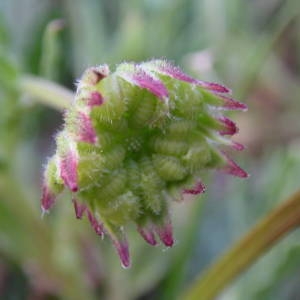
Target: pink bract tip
x,y
148,235
48,199
97,226
145,80
79,209
175,72
233,168
215,87
199,188
99,73
230,127
238,146
87,132
232,104
95,99
166,234
68,171
123,252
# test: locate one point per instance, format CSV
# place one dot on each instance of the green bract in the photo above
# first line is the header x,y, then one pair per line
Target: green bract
x,y
136,139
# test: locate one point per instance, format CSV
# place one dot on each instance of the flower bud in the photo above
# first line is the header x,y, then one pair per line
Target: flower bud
x,y
136,139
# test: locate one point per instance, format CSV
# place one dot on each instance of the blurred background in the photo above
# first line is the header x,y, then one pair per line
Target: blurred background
x,y
251,46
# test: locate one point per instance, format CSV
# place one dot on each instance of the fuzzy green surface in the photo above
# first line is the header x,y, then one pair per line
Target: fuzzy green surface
x,y
147,148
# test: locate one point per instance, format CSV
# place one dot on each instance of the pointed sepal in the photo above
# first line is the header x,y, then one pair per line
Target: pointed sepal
x,y
147,232
86,132
68,170
166,68
143,79
67,160
232,168
120,243
222,102
93,75
95,223
165,233
48,199
230,127
198,188
95,99
52,185
79,208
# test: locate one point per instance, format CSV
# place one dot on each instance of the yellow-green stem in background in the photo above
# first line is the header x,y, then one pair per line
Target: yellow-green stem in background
x,y
268,231
46,92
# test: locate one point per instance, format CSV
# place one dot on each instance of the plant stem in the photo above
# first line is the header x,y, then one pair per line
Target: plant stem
x,y
46,92
268,231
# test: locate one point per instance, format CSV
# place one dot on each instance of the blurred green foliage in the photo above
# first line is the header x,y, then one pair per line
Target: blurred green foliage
x,y
251,46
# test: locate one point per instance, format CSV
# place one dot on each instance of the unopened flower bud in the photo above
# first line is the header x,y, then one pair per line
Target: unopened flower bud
x,y
136,139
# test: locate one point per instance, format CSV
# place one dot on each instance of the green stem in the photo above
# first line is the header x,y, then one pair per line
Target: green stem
x,y
268,231
46,92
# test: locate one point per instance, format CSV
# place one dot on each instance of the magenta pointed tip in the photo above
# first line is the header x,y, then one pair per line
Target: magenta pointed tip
x,y
48,199
230,127
123,252
233,168
125,259
86,132
168,241
165,233
74,188
79,209
97,226
148,236
95,99
214,87
68,171
199,188
238,146
232,104
146,80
